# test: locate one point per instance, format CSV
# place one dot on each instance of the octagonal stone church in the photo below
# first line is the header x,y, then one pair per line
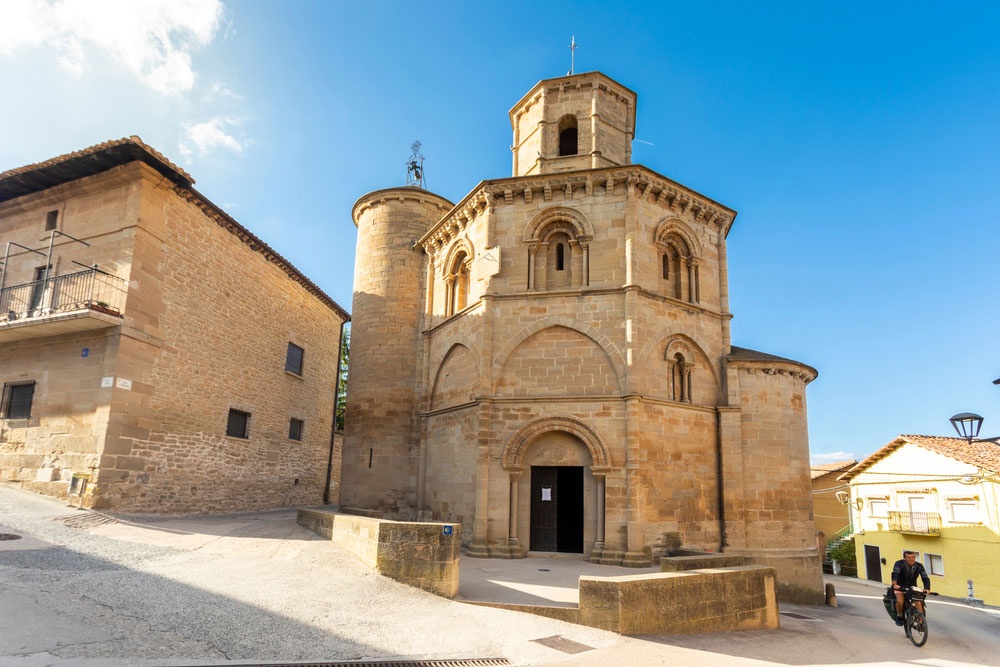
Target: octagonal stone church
x,y
548,361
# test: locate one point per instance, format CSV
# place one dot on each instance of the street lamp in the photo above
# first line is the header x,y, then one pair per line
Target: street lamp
x,y
967,425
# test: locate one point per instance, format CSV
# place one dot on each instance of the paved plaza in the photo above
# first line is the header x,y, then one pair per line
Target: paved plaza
x,y
82,589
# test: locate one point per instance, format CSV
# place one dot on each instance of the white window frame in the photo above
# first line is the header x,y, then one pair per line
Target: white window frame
x,y
882,503
964,502
929,560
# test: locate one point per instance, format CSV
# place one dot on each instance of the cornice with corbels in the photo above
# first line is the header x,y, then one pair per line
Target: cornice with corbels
x,y
639,182
802,374
458,219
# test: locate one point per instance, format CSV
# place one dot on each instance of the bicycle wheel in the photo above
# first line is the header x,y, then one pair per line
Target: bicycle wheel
x,y
916,628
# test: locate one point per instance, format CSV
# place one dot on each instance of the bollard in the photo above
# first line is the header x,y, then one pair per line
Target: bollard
x,y
831,595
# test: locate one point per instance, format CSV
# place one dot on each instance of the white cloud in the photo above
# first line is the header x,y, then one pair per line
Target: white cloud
x,y
153,39
200,138
833,457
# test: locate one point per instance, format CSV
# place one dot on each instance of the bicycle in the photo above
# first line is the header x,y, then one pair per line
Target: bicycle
x,y
915,620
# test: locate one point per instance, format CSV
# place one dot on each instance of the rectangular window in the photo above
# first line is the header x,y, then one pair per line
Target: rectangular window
x,y
963,510
293,359
934,564
51,220
239,424
17,397
879,507
295,429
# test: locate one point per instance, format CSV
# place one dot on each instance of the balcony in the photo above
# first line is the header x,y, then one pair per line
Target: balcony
x,y
81,301
916,523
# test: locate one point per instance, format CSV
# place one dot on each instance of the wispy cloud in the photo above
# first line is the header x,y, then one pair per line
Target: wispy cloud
x,y
833,457
201,138
153,39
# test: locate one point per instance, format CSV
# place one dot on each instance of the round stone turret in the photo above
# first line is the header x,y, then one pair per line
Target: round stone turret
x,y
381,433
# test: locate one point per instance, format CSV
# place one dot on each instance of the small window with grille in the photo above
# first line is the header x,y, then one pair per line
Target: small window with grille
x,y
239,424
293,359
17,398
295,429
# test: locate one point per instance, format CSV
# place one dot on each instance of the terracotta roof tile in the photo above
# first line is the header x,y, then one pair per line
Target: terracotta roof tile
x,y
984,454
745,354
827,468
87,162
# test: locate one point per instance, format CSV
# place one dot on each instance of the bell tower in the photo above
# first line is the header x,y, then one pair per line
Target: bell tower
x,y
580,121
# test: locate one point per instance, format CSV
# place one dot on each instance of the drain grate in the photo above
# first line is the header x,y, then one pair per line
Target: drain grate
x,y
560,643
9,536
792,614
472,662
85,519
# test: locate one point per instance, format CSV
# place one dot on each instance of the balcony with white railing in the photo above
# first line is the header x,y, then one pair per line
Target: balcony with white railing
x,y
80,301
917,523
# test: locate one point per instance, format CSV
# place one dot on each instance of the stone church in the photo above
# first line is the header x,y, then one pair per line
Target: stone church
x,y
548,361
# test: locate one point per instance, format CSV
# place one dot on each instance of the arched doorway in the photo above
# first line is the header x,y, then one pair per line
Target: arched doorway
x,y
567,457
558,489
557,509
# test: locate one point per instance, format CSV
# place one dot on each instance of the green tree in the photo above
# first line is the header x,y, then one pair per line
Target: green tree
x,y
847,556
345,345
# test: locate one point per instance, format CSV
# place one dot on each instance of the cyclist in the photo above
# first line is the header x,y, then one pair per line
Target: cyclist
x,y
904,575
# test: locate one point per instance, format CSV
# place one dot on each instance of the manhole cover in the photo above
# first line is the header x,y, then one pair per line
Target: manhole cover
x,y
560,643
9,536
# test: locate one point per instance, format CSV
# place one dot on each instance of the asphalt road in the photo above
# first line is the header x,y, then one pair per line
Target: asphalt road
x,y
79,589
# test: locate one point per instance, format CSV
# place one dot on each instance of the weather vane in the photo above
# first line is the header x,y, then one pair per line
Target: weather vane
x,y
572,54
415,166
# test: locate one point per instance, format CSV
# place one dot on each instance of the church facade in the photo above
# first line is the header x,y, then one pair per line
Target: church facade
x,y
548,361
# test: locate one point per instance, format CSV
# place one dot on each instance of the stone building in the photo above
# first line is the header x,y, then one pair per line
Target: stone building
x,y
154,348
548,361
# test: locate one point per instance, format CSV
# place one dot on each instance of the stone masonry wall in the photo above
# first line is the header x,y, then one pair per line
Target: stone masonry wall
x,y
70,409
216,319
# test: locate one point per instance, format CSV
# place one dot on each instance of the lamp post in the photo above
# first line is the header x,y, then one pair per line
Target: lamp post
x,y
967,425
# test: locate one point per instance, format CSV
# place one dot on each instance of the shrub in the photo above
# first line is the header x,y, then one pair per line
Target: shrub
x,y
845,554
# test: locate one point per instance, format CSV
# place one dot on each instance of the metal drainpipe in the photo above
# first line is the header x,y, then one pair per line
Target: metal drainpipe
x,y
333,423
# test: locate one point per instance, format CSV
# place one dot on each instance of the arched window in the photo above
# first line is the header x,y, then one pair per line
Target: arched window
x,y
559,255
458,284
680,379
557,242
680,257
671,268
567,136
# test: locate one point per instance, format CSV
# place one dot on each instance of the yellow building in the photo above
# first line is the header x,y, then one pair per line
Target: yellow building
x,y
831,515
939,497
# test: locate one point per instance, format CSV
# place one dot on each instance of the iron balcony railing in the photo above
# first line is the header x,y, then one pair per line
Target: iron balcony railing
x,y
921,523
90,289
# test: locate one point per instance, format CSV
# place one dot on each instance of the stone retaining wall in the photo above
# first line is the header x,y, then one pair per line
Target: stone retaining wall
x,y
709,600
424,555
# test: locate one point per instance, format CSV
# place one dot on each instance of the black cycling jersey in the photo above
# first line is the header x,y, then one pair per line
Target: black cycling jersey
x,y
905,575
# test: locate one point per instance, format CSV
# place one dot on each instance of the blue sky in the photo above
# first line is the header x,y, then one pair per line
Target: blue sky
x,y
859,146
